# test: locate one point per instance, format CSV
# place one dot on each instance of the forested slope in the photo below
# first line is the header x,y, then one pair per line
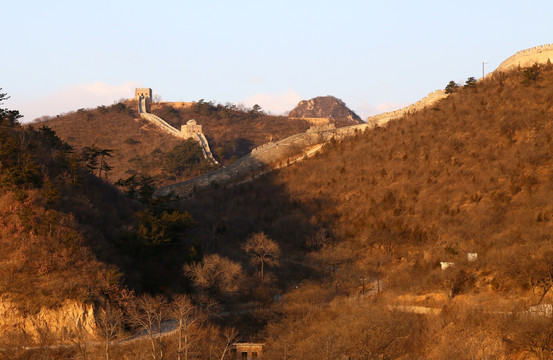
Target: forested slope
x,y
472,174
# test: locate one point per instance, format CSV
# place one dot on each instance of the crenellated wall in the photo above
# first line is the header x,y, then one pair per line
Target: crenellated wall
x,y
524,58
322,127
539,54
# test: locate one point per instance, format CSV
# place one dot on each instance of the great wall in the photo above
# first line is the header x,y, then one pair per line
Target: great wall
x,y
189,131
525,58
539,54
265,157
274,154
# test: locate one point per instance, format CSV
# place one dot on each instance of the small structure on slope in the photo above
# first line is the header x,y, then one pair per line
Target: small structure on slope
x,y
191,129
247,351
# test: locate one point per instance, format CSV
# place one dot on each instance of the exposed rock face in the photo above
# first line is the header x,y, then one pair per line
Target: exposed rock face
x,y
70,316
326,107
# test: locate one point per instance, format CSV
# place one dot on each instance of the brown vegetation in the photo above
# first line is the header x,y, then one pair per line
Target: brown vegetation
x,y
140,148
472,174
362,228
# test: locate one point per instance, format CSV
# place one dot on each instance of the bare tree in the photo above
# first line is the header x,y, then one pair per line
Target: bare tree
x,y
109,327
44,336
147,314
216,273
188,320
229,336
262,251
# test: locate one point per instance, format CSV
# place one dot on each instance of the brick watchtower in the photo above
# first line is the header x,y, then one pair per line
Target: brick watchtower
x,y
143,92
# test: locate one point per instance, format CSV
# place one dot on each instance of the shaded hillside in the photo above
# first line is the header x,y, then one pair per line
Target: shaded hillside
x,y
328,107
139,147
57,222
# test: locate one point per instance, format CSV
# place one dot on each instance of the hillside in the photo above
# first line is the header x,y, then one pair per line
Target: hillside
x,y
232,131
141,148
472,174
74,246
361,251
56,220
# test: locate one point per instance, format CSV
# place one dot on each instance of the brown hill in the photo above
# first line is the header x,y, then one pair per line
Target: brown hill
x,y
468,175
328,107
139,147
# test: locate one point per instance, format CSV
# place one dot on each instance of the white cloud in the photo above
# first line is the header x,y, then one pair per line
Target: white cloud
x,y
275,103
74,97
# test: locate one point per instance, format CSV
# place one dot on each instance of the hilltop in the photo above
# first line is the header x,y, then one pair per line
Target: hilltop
x,y
326,107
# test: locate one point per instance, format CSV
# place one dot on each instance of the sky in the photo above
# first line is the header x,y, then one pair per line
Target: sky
x,y
377,56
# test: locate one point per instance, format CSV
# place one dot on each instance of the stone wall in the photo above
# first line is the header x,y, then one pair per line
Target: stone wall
x,y
176,105
205,147
272,155
525,58
162,124
321,127
314,121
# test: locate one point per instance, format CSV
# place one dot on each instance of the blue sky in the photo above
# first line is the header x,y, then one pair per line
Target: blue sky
x,y
59,56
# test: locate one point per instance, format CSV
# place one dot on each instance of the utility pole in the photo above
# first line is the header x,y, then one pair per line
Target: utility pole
x,y
483,63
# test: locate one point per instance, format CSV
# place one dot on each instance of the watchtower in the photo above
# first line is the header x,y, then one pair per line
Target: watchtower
x,y
143,92
191,128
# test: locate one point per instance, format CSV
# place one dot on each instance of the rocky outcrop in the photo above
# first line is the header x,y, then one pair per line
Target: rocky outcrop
x,y
59,322
329,107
